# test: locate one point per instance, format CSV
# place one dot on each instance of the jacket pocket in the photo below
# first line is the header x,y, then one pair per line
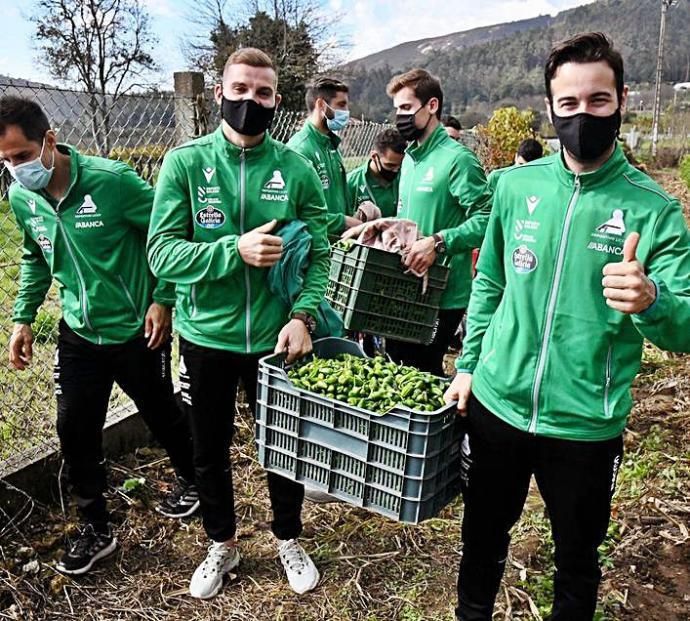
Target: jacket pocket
x,y
607,381
192,300
129,297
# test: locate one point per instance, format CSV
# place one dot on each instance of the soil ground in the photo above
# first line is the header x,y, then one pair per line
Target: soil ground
x,y
373,569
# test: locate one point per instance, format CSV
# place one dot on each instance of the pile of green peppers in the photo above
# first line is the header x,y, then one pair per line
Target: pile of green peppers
x,y
370,383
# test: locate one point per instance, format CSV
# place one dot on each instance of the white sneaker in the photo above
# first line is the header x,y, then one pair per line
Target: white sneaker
x,y
208,577
300,569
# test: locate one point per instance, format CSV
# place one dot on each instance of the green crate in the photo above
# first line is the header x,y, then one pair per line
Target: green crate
x,y
402,464
369,288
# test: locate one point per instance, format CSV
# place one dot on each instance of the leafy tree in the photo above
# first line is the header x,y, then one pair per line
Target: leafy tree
x,y
499,139
293,32
102,45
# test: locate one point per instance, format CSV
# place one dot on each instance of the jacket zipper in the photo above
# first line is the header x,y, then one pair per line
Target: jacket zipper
x,y
77,269
607,385
247,284
551,308
129,297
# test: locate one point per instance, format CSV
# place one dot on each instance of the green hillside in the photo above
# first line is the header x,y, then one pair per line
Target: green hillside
x,y
511,67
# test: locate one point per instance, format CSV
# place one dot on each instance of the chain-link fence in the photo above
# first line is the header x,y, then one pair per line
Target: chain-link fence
x,y
138,129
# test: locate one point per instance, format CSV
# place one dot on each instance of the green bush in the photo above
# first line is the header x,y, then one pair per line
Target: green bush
x,y
685,170
146,160
499,139
45,327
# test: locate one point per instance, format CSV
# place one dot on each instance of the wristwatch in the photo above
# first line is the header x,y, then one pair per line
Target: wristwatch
x,y
439,243
307,320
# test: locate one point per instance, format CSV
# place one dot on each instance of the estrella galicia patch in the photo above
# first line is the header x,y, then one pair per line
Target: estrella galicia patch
x,y
524,260
45,243
210,217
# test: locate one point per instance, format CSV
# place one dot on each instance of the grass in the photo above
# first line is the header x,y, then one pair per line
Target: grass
x,y
27,403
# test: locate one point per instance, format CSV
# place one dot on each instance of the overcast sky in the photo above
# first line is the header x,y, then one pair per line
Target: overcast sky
x,y
368,26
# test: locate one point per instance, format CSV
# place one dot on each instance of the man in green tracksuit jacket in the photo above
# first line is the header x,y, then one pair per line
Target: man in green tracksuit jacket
x,y
443,189
528,151
84,221
328,107
584,257
217,200
377,180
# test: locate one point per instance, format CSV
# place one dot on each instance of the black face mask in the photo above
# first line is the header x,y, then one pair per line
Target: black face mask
x,y
405,124
385,173
587,136
246,116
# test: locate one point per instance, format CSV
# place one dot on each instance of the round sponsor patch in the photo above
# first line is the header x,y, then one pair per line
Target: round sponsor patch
x,y
210,217
524,260
45,243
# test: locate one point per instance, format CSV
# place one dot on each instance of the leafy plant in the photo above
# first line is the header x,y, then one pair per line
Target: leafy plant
x,y
45,327
146,160
134,485
685,170
499,139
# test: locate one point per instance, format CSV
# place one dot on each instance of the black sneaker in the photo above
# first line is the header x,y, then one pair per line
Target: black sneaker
x,y
182,502
88,548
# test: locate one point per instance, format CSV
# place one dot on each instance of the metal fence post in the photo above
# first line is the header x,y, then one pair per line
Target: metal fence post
x,y
190,110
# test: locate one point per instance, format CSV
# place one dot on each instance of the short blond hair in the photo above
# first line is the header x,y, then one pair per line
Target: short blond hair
x,y
252,56
423,84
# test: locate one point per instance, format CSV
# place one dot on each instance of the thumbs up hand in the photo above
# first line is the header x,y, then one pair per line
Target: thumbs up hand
x,y
259,248
626,286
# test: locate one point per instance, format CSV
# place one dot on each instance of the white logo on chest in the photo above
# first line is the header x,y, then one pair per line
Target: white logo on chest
x,y
615,225
532,202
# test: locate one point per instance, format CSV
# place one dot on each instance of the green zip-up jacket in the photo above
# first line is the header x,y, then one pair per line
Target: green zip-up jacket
x,y
93,242
322,151
443,189
493,177
547,354
209,193
363,186
286,278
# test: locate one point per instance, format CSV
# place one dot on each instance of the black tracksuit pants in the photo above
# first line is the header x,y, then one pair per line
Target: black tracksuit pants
x,y
209,379
428,357
576,480
84,375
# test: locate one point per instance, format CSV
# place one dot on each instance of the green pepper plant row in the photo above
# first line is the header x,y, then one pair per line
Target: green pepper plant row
x,y
370,383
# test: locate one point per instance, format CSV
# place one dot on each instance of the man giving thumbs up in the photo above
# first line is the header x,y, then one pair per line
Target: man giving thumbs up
x,y
218,201
547,363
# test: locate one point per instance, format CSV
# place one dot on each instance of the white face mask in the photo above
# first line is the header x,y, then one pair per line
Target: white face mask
x,y
33,175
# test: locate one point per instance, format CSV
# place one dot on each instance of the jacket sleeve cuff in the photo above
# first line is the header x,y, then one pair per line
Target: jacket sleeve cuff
x,y
25,319
453,241
464,365
164,300
164,293
651,312
300,308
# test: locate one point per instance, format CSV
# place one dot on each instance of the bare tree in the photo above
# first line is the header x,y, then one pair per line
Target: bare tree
x,y
102,45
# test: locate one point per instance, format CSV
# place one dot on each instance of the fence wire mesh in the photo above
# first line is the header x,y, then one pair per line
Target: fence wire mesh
x,y
137,129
